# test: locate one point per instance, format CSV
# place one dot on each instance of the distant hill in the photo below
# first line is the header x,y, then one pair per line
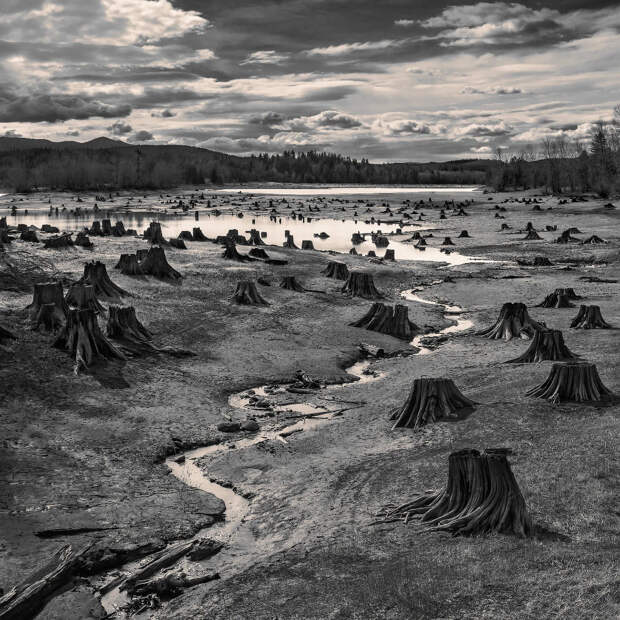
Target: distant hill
x,y
103,163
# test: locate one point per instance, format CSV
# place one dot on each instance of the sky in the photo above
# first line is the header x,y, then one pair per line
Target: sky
x,y
389,80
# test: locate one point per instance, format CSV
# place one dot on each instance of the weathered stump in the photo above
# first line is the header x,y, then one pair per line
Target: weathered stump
x,y
58,243
155,264
431,400
258,253
361,284
30,236
513,321
186,235
447,241
95,229
532,235
572,381
231,253
558,299
247,294
290,284
307,244
179,244
83,296
336,270
5,334
387,320
389,255
83,241
118,230
154,235
290,243
47,319
353,252
589,317
96,274
594,239
198,235
129,265
44,294
124,327
106,228
83,340
463,234
255,238
547,344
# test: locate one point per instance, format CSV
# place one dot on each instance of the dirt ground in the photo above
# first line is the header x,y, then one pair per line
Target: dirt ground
x,y
86,451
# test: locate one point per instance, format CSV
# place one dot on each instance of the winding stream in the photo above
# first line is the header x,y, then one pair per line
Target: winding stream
x,y
240,548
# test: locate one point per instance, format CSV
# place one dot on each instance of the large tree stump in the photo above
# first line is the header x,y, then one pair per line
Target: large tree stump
x,y
95,229
83,241
447,241
118,230
142,254
82,338
198,235
514,321
290,284
96,274
83,296
389,255
247,294
431,400
387,320
532,235
106,228
290,243
155,264
231,253
481,496
361,284
547,344
336,270
307,244
255,238
179,244
186,235
124,327
589,317
44,294
572,381
557,299
30,236
154,235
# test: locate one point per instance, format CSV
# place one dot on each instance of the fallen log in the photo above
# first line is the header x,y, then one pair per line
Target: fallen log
x,y
589,317
572,381
431,400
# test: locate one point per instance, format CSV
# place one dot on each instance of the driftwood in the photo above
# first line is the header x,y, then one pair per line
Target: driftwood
x,y
155,264
589,317
83,296
96,274
171,584
481,496
83,339
514,321
572,381
539,261
27,598
431,400
291,284
336,270
247,294
361,284
547,344
387,320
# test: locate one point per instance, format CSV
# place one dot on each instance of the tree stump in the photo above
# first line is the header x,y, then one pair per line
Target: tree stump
x,y
186,235
95,229
566,237
179,244
83,241
255,238
96,274
290,243
389,255
431,400
594,239
82,338
106,228
447,241
59,242
141,254
47,319
258,253
118,230
572,381
387,320
30,236
129,265
557,299
361,284
589,317
336,270
155,264
247,294
357,238
5,334
83,296
547,344
198,235
154,235
307,244
513,321
353,252
124,327
231,253
532,235
481,496
463,234
48,293
290,284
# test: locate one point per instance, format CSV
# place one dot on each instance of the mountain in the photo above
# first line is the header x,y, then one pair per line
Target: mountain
x,y
9,143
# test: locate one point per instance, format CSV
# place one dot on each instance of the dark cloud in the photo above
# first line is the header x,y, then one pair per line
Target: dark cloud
x,y
120,128
52,108
267,119
163,114
142,136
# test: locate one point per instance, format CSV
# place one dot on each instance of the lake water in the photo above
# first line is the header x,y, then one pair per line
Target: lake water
x,y
351,190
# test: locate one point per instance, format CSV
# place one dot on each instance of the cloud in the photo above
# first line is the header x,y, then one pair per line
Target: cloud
x,y
350,48
495,90
485,130
334,120
481,149
52,108
267,119
405,127
119,128
264,57
163,114
142,136
405,22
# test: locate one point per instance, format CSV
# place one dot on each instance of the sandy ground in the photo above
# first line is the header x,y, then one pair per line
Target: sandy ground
x,y
87,451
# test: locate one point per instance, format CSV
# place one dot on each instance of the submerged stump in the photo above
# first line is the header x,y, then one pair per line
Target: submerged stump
x,y
431,400
572,382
